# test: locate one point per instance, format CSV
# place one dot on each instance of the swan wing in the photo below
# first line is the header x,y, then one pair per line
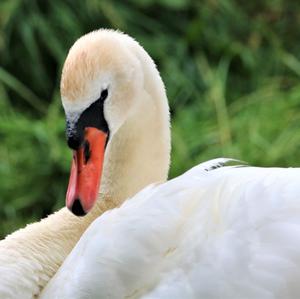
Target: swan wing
x,y
214,232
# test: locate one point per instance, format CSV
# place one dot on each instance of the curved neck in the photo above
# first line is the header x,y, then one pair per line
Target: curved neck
x,y
139,153
137,156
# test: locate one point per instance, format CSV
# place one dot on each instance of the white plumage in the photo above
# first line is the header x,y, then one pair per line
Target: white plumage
x,y
229,232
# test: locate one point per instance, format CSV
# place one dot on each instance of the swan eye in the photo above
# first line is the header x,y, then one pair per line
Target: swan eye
x,y
104,94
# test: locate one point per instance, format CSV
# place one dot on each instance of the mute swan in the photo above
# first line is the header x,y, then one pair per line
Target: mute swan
x,y
214,232
31,256
229,232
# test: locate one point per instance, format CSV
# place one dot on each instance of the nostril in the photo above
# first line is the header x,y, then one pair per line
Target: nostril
x,y
73,142
87,151
77,208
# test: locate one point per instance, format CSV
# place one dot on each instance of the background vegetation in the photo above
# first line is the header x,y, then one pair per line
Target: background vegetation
x,y
231,69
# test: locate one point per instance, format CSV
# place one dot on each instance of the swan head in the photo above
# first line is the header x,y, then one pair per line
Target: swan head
x,y
101,85
100,67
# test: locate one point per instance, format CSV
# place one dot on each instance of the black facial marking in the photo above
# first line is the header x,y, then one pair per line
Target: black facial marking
x,y
104,94
93,116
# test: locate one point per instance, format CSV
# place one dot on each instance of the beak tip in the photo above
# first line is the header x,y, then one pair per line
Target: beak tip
x,y
77,208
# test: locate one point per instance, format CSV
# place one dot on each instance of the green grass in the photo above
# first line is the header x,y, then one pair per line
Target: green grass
x,y
231,70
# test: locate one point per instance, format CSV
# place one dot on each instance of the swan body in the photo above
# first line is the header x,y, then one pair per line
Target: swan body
x,y
229,232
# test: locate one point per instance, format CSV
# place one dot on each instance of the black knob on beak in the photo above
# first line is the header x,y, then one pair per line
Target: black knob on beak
x,y
74,141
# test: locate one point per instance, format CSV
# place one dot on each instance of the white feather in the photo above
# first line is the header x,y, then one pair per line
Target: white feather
x,y
229,232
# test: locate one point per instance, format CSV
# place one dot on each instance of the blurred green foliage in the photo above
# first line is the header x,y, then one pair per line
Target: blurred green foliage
x,y
231,69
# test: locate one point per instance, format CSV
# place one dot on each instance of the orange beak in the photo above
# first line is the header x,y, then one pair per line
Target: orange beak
x,y
86,172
